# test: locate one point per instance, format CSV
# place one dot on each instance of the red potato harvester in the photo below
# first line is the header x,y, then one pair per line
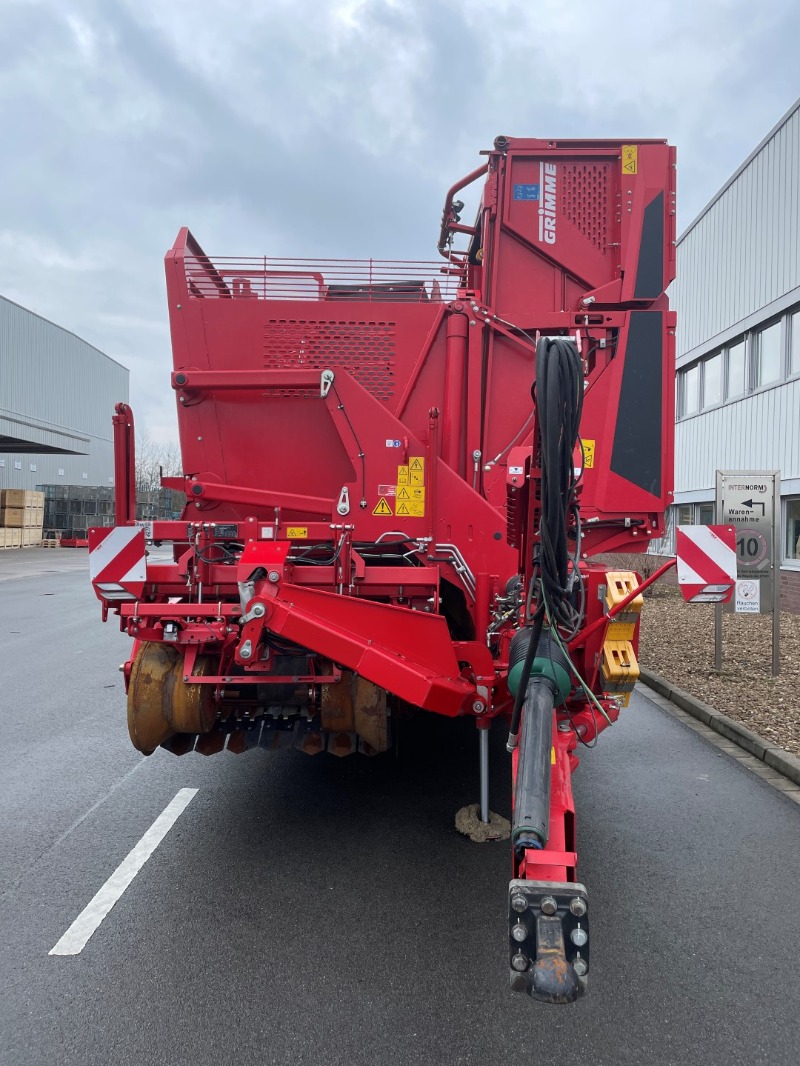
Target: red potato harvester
x,y
396,477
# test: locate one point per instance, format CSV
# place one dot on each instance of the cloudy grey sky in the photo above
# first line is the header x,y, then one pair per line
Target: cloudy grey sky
x,y
328,128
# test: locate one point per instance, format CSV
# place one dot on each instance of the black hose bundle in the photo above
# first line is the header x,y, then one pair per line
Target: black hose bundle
x,y
557,394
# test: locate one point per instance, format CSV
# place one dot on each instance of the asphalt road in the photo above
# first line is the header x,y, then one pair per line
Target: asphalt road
x,y
317,910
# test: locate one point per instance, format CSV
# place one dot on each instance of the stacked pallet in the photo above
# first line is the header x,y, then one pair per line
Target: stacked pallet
x,y
21,518
72,509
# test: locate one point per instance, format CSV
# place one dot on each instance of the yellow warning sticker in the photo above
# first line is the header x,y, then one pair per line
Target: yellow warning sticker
x,y
297,532
588,454
410,501
403,476
552,756
382,507
416,470
630,158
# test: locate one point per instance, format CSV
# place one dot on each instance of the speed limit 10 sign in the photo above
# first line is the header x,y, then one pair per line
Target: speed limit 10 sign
x,y
749,500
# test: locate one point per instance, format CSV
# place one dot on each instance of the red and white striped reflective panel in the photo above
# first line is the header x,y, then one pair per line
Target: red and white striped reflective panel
x,y
117,562
706,563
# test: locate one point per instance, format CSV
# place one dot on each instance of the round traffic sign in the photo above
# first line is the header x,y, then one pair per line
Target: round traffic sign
x,y
751,546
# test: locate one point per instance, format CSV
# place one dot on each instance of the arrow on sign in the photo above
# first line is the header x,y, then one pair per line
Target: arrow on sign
x,y
755,503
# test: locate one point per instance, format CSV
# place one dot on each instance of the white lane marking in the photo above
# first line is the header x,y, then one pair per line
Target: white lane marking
x,y
77,936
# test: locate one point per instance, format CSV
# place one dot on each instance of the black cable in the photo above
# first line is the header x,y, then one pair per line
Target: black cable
x,y
557,393
361,453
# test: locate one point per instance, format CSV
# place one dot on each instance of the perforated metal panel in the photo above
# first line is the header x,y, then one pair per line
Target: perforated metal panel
x,y
365,349
584,200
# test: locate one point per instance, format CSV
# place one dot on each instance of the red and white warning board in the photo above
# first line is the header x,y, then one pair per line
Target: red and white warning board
x,y
706,563
118,562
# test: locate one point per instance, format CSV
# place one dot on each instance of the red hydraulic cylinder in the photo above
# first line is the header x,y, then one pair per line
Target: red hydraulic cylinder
x,y
124,465
454,392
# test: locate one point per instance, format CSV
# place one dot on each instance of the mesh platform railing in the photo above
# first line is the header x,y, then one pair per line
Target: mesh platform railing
x,y
330,280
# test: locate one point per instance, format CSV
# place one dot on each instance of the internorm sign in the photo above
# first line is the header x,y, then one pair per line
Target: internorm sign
x,y
746,500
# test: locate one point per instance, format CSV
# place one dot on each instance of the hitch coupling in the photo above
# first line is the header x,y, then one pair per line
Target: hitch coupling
x,y
548,939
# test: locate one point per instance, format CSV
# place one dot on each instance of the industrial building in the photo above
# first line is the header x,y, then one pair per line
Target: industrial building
x,y
57,396
737,294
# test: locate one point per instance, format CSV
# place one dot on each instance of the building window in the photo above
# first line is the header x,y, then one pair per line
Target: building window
x,y
768,355
686,514
690,403
712,380
793,528
736,382
705,514
794,343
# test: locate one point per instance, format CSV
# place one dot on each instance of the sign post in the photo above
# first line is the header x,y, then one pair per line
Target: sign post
x,y
750,500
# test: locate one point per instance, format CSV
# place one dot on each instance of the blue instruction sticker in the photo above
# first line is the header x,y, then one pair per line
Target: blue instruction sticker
x,y
526,192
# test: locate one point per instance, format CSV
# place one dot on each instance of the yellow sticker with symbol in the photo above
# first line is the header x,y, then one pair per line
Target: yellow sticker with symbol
x,y
297,532
410,501
382,507
403,477
416,470
630,158
588,454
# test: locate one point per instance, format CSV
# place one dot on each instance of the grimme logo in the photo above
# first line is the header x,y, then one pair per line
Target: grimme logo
x,y
547,207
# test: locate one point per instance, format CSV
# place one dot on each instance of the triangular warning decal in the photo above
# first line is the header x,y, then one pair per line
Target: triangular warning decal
x,y
403,494
382,507
402,508
415,464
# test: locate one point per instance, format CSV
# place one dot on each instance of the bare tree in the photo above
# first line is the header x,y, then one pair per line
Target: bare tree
x,y
151,458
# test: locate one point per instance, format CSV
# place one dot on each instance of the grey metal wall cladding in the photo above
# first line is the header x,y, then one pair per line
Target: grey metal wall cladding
x,y
759,432
56,388
743,251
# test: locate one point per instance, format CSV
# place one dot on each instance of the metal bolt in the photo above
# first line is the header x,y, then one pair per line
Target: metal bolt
x,y
579,966
519,963
274,576
577,907
258,610
478,707
519,933
579,937
519,903
549,905
246,650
